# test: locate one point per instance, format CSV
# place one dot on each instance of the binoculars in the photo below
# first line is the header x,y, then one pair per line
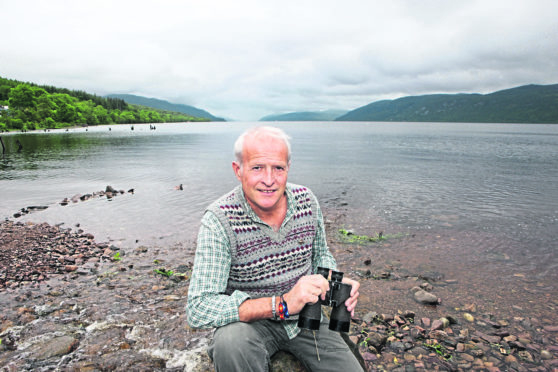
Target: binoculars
x,y
340,319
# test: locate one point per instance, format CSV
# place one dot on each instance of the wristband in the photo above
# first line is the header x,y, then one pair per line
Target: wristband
x,y
283,309
273,308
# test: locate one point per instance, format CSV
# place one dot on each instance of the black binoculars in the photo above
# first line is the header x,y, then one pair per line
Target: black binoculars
x,y
340,319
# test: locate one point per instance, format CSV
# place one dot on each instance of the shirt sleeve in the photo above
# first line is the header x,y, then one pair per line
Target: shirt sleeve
x,y
321,256
208,306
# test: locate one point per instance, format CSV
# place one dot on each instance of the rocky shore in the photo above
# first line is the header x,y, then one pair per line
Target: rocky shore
x,y
69,303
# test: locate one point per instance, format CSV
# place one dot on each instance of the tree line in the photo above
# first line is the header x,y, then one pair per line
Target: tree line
x,y
30,106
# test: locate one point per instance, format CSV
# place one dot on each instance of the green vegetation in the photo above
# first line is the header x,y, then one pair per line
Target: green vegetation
x,y
164,272
439,349
351,237
44,107
117,257
525,104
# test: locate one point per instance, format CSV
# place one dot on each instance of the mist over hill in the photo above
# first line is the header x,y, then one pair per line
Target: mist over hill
x,y
165,105
524,104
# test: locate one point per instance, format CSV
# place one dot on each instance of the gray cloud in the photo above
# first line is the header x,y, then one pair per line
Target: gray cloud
x,y
249,58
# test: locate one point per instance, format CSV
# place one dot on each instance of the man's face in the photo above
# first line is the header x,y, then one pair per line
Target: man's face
x,y
263,173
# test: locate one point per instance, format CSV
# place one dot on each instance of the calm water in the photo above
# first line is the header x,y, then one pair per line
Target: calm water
x,y
497,179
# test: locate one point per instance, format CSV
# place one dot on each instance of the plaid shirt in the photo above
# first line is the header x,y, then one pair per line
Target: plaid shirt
x,y
207,305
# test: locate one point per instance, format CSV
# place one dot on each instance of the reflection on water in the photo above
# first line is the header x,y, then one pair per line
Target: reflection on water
x,y
490,178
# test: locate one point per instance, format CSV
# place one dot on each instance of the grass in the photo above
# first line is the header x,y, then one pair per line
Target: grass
x,y
164,272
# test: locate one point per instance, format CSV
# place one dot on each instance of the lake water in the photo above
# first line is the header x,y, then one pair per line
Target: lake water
x,y
498,180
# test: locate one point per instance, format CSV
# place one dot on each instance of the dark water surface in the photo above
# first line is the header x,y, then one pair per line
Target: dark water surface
x,y
488,190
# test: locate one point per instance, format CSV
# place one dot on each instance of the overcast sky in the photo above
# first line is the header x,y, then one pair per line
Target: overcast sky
x,y
245,59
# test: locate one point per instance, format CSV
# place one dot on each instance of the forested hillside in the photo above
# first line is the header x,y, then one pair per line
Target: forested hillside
x,y
165,105
27,106
525,104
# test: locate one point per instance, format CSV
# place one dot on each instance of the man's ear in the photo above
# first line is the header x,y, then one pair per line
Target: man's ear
x,y
236,169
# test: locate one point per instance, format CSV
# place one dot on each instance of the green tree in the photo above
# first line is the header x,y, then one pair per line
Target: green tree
x,y
101,114
127,117
115,116
45,107
48,123
5,92
66,113
86,108
21,97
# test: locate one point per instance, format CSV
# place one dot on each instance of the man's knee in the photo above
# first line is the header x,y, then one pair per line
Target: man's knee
x,y
237,345
233,336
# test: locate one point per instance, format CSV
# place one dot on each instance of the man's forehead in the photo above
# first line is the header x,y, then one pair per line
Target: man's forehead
x,y
274,158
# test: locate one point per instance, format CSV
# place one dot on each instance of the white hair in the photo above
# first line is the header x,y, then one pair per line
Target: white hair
x,y
267,131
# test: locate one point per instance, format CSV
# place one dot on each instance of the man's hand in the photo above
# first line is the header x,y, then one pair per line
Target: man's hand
x,y
306,291
353,299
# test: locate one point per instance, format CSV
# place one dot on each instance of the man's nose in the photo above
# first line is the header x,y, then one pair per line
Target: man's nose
x,y
268,177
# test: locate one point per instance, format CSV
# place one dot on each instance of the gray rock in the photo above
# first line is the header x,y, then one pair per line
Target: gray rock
x,y
57,346
426,297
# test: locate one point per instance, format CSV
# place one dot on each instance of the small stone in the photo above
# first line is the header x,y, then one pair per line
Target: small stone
x,y
509,359
70,268
426,297
172,298
468,317
525,355
437,324
369,316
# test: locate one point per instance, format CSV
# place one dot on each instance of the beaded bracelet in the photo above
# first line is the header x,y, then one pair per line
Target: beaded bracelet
x,y
283,309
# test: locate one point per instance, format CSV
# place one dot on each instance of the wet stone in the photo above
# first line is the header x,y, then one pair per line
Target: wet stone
x,y
54,347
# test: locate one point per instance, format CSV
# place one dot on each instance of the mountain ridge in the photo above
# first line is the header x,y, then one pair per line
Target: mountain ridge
x,y
326,115
524,104
165,105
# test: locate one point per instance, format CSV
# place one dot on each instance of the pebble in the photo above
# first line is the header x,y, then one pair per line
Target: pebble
x,y
468,317
425,297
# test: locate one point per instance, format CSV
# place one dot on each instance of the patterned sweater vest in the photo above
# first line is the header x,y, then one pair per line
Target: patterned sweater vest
x,y
265,262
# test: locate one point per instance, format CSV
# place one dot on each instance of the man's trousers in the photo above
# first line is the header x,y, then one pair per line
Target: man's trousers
x,y
249,347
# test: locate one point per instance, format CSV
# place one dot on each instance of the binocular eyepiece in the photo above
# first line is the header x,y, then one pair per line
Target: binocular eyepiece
x,y
340,319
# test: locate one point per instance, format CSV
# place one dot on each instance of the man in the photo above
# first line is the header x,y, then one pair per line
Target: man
x,y
257,249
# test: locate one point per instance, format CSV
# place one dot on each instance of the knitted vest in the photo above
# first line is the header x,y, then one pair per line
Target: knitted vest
x,y
265,262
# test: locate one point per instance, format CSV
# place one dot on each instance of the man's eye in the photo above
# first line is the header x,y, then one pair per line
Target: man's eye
x,y
256,168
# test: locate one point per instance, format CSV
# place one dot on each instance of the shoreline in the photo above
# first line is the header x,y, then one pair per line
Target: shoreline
x,y
113,312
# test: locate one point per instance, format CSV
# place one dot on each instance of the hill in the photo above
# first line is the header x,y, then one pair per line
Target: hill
x,y
165,105
28,106
524,104
328,115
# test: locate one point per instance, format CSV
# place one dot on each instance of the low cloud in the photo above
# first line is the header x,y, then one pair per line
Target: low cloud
x,y
246,59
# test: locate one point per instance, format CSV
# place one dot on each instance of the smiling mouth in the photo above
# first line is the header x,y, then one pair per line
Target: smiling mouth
x,y
267,191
